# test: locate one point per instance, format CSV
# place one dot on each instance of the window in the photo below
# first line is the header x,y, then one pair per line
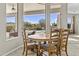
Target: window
x,y
11,21
34,18
54,18
35,22
69,22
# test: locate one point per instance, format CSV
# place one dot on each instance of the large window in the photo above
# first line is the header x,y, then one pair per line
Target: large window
x,y
11,21
34,18
35,22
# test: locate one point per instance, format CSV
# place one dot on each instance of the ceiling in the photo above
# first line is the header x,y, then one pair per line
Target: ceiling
x,y
72,7
9,7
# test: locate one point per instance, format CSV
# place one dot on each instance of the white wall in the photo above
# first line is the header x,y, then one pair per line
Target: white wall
x,y
47,17
6,46
77,24
58,21
63,16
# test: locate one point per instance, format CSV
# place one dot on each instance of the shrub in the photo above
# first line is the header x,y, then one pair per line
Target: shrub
x,y
9,28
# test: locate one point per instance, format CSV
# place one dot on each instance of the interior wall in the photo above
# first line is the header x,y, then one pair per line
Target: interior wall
x,y
63,16
77,25
6,46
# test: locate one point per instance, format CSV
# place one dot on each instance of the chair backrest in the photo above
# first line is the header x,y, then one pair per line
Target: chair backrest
x,y
54,35
64,33
54,40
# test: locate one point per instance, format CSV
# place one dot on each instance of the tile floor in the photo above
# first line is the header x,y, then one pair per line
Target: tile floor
x,y
73,48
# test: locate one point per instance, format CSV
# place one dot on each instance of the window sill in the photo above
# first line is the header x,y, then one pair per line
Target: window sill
x,y
12,38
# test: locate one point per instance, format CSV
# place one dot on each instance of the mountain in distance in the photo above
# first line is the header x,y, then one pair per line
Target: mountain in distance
x,y
10,23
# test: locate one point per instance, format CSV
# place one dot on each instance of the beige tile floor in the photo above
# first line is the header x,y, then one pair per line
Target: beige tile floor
x,y
73,48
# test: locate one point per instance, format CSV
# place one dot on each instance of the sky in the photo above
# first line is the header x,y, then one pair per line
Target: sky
x,y
11,19
35,18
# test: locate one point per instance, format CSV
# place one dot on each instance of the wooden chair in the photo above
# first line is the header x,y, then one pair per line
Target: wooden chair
x,y
27,45
64,33
52,46
54,38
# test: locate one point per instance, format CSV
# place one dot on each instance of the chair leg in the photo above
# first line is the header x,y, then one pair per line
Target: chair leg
x,y
41,52
26,51
26,47
57,52
49,53
23,49
66,52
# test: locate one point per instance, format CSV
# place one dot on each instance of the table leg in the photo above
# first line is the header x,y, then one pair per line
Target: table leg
x,y
38,50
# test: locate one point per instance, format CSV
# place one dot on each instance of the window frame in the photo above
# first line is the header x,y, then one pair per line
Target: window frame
x,y
16,23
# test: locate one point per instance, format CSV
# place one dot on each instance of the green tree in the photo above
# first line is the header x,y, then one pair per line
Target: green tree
x,y
42,23
9,28
54,24
27,25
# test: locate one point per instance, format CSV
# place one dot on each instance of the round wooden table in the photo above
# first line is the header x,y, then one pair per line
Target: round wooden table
x,y
39,38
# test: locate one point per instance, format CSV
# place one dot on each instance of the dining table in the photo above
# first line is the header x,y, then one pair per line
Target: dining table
x,y
39,38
